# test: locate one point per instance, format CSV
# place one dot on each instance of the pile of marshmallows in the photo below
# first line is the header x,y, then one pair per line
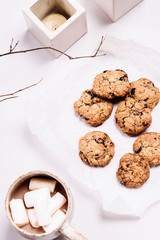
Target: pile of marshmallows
x,y
41,209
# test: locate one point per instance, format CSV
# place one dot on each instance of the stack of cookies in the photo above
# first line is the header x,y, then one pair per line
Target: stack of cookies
x,y
94,105
133,115
134,169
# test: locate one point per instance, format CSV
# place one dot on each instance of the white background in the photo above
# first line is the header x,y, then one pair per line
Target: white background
x,y
20,151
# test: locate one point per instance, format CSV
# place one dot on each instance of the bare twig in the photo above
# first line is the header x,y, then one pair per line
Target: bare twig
x,y
10,95
8,98
20,90
102,40
12,48
96,53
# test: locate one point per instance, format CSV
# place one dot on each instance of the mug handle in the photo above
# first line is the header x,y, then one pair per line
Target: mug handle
x,y
69,232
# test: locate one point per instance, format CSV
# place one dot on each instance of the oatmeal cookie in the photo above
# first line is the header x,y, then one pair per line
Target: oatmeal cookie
x,y
147,146
92,108
96,148
144,89
111,84
133,170
133,117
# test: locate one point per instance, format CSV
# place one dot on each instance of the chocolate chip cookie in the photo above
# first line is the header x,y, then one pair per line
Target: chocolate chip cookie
x,y
144,89
133,170
111,84
96,148
93,109
133,116
147,146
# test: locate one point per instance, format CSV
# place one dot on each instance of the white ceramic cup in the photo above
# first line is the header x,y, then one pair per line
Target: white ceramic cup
x,y
64,229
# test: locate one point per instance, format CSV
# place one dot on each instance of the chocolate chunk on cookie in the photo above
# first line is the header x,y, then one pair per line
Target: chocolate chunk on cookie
x,y
96,148
147,146
92,108
111,84
133,170
144,89
133,116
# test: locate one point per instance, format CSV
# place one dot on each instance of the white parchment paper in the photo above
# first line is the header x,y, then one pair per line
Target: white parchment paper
x,y
51,117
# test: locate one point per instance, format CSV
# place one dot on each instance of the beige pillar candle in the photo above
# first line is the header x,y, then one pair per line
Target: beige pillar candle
x,y
53,21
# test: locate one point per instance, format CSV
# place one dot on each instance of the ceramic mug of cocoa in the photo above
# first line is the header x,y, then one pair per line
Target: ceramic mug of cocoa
x,y
17,190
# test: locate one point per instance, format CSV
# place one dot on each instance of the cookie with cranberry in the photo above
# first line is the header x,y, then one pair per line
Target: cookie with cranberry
x,y
133,117
92,108
96,149
144,89
147,146
133,170
111,84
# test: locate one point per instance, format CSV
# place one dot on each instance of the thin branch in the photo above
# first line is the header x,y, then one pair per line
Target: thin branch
x,y
15,45
102,40
53,49
96,53
11,45
20,90
8,98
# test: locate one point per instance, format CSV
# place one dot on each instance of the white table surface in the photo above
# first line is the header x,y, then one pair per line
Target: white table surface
x,y
21,151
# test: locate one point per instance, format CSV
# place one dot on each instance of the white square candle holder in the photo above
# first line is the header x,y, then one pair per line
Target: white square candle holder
x,y
66,34
115,9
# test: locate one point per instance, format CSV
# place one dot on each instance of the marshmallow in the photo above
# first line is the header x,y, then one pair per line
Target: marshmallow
x,y
57,220
56,202
36,183
18,212
41,206
39,199
42,212
31,197
32,218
